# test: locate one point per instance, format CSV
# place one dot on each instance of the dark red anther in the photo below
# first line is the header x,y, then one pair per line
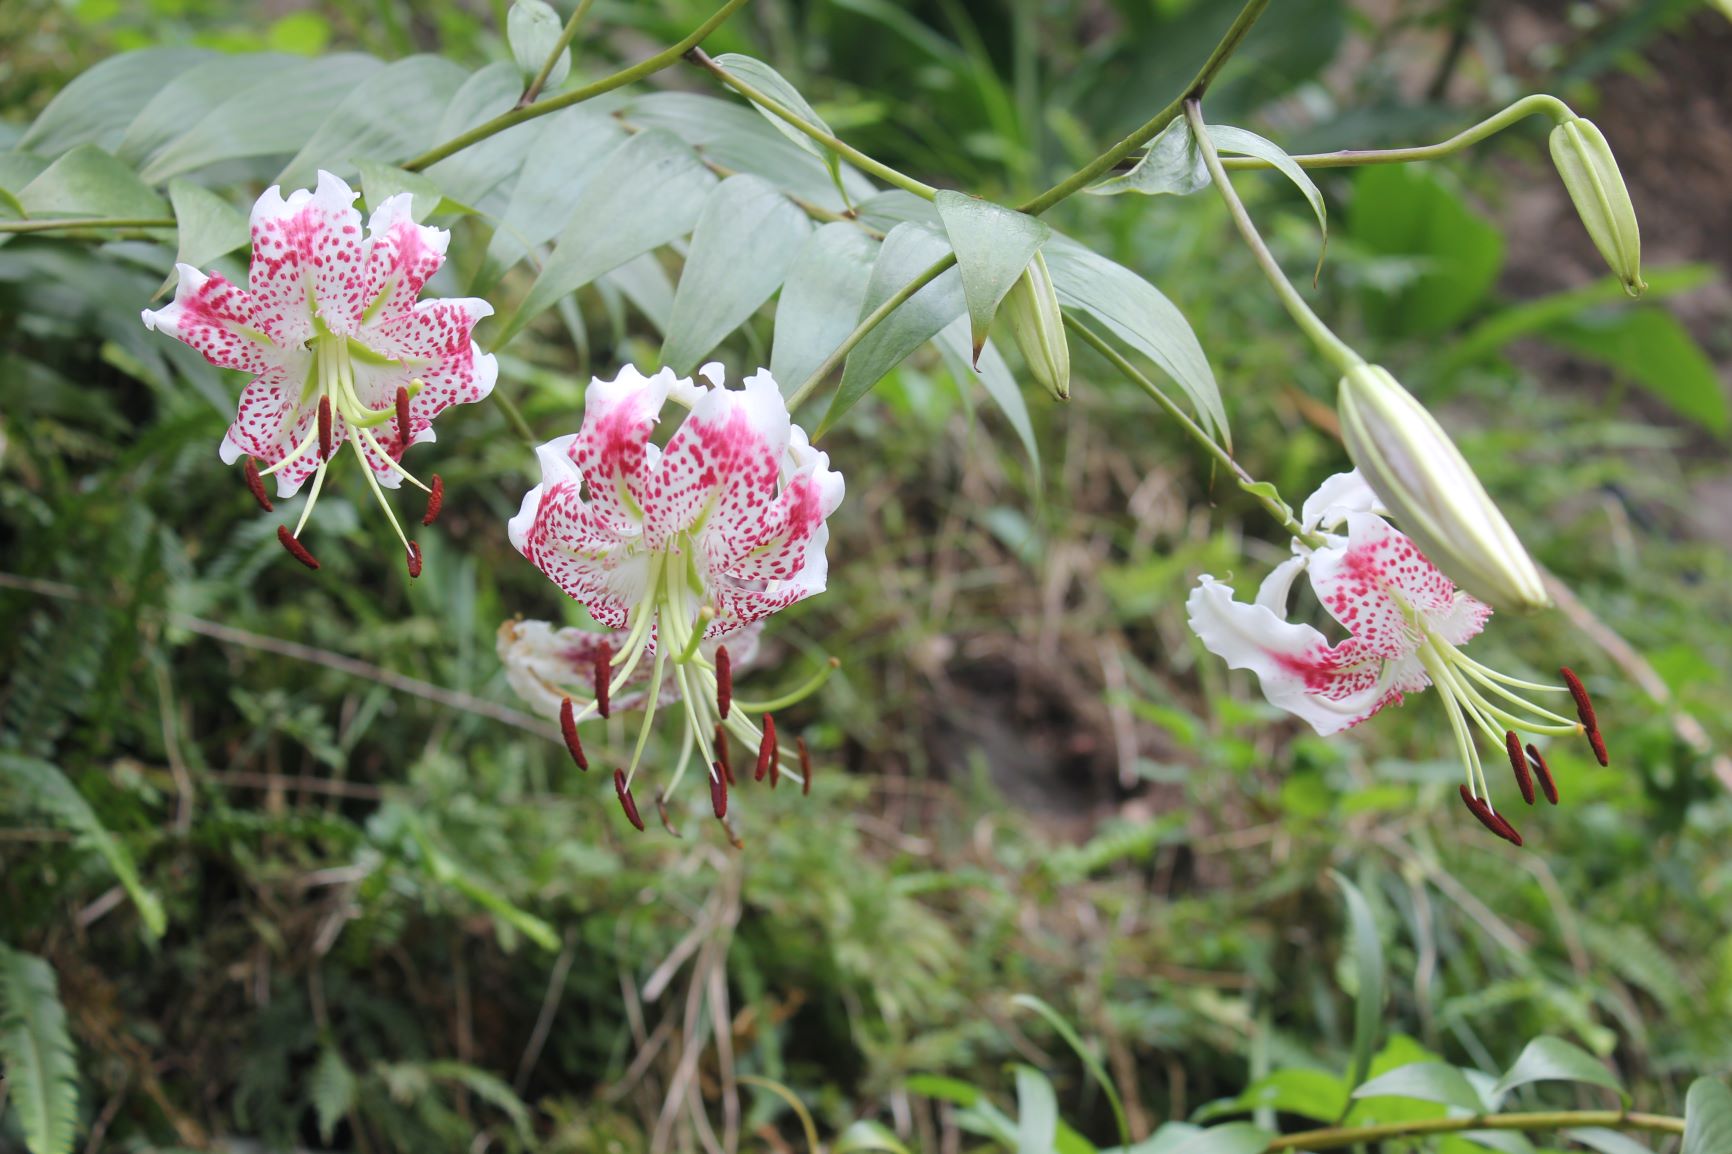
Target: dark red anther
x,y
568,730
766,748
1547,785
402,420
719,792
724,681
296,550
435,501
722,758
414,559
805,765
1584,707
662,812
1519,763
626,801
1492,821
256,484
324,428
603,671
1599,743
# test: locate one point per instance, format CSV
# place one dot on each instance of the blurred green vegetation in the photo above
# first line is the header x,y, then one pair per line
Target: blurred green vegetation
x,y
1032,780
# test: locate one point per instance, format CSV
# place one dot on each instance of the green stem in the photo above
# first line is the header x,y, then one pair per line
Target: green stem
x,y
88,222
1276,507
1108,160
1331,346
514,418
1336,1137
565,37
870,322
782,112
646,67
1348,158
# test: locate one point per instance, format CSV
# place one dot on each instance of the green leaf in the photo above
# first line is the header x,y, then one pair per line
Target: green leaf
x,y
647,192
647,286
1173,165
1555,1060
1426,1082
1607,1141
18,169
1652,348
532,28
271,116
864,1135
774,85
446,871
745,242
1707,1118
994,375
489,1088
1143,318
821,300
469,176
375,122
1404,211
1237,140
937,1086
89,182
908,251
380,182
993,246
36,1052
1315,1094
1368,968
208,225
1036,1112
563,159
1232,1138
44,788
332,1088
190,95
1090,1062
97,106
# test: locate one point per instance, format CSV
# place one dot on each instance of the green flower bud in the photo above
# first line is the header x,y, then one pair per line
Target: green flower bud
x,y
1031,307
1423,480
1596,186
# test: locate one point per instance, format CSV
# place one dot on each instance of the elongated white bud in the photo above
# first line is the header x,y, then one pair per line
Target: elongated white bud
x,y
1595,185
1031,308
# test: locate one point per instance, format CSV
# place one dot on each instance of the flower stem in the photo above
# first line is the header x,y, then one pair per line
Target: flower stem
x,y
646,67
54,225
1330,345
1335,1137
565,37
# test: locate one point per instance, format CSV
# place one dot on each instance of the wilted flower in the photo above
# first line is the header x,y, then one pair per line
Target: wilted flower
x,y
1422,478
1407,623
340,350
1031,308
679,546
1596,187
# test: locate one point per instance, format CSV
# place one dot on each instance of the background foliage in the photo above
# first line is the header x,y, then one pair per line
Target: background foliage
x,y
284,865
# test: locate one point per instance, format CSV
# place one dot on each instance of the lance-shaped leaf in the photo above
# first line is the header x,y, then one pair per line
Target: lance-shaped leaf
x,y
1173,165
1426,1082
97,106
208,225
532,28
993,246
191,94
1243,143
568,151
467,177
1555,1060
374,121
649,191
89,182
1368,973
774,85
380,182
41,1065
742,248
908,251
1707,1117
1036,1112
994,375
821,300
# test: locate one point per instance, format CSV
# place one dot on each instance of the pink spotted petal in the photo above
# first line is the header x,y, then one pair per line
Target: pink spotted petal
x,y
1369,582
544,665
584,552
722,466
431,343
1329,687
612,450
401,256
218,318
307,258
270,423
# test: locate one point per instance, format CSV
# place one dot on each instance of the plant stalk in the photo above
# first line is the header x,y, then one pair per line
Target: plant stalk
x,y
566,35
1335,1137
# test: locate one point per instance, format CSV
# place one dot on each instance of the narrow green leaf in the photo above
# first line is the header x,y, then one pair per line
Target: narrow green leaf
x,y
490,1088
821,300
209,226
937,1086
96,106
40,1063
1707,1118
1036,1112
89,182
865,1136
745,241
1173,165
1555,1060
646,285
994,375
993,246
380,182
1607,1141
774,85
565,156
1315,1094
1652,348
532,28
1368,969
370,122
1427,1082
190,95
1237,140
1232,1138
331,1087
1085,1054
18,169
470,176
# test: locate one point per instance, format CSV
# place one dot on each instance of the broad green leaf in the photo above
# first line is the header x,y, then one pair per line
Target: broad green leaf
x,y
1427,1082
96,107
1086,1055
908,251
332,1087
377,120
1652,348
1168,1136
470,176
1607,1141
1036,1112
993,246
36,1051
1237,140
274,116
648,191
18,169
1368,969
1315,1094
89,182
820,300
380,182
208,225
567,152
1506,1141
646,285
865,1136
1707,1118
1405,211
896,206
1555,1060
532,28
774,85
1232,1138
995,377
191,94
745,241
944,1089
1172,165
1143,318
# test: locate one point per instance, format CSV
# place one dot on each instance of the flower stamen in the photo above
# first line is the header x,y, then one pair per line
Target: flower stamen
x,y
1518,761
766,748
568,730
626,801
255,484
435,501
724,680
296,550
1547,785
718,793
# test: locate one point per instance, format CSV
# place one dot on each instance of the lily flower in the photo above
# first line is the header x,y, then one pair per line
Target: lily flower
x,y
1407,624
340,351
680,550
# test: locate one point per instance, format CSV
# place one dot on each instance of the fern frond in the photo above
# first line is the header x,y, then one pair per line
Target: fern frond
x,y
331,1088
40,1062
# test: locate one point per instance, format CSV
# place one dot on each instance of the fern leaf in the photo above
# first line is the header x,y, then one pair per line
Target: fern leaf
x,y
40,1063
332,1089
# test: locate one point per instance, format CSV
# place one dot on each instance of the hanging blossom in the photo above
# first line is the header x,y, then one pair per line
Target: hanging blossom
x,y
1407,624
679,550
340,350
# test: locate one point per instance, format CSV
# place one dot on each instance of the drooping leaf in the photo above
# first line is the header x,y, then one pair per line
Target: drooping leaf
x,y
745,241
1087,1056
40,1063
648,191
993,246
1652,348
1036,1112
1244,143
89,182
96,107
1707,1117
1368,970
532,28
567,153
868,1137
821,300
774,85
208,225
1426,1082
907,252
1173,165
380,182
190,95
376,121
332,1089
994,375
1407,212
1555,1060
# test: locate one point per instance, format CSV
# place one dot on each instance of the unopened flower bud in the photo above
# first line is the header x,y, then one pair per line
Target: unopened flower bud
x,y
1596,186
1031,307
1423,480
